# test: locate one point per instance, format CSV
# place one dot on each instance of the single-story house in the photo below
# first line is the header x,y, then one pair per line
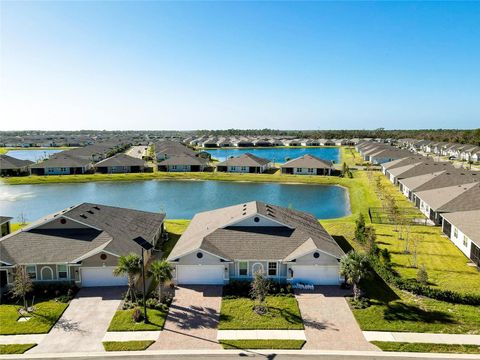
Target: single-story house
x,y
245,163
80,244
463,228
308,165
120,163
234,242
5,225
62,164
10,166
183,163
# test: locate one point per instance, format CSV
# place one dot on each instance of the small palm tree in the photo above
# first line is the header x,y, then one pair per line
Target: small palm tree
x,y
354,266
131,266
161,271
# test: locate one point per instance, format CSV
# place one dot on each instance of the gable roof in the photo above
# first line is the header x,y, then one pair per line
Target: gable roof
x,y
308,161
183,160
439,198
246,159
468,222
106,228
9,163
4,219
121,159
215,232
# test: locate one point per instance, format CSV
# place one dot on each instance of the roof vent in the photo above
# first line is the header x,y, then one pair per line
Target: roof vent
x,y
83,216
96,208
90,212
244,213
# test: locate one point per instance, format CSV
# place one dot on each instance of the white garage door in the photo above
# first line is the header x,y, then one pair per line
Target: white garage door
x,y
101,276
316,275
200,274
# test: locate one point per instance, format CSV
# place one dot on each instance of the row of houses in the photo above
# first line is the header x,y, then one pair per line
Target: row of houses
x,y
447,196
82,245
464,152
258,141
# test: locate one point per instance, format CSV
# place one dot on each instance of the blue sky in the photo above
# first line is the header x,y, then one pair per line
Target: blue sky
x,y
285,65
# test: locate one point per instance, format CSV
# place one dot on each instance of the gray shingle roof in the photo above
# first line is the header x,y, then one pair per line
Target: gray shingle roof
x,y
109,228
4,219
184,160
11,163
308,161
246,159
468,222
215,231
121,159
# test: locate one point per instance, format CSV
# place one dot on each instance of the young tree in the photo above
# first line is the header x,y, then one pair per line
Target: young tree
x,y
22,284
354,267
422,276
344,169
370,241
161,271
129,265
259,291
360,228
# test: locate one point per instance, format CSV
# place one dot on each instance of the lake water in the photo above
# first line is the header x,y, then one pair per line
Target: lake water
x,y
179,199
280,154
32,155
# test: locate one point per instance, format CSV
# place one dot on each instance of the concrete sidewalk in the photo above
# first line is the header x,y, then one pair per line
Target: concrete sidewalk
x,y
131,335
453,339
21,339
261,335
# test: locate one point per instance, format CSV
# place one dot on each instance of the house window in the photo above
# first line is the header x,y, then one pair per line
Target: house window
x,y
299,170
32,272
62,271
233,168
174,167
243,268
465,241
311,170
244,168
272,269
455,233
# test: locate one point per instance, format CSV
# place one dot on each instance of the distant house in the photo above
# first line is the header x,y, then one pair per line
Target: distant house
x,y
234,242
245,163
120,163
307,165
5,225
463,228
62,164
10,166
80,244
183,163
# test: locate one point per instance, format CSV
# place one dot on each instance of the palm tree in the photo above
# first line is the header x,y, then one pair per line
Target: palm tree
x,y
161,271
131,266
354,266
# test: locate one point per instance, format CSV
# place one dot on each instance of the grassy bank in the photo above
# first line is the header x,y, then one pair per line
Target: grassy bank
x,y
262,344
127,345
15,348
427,348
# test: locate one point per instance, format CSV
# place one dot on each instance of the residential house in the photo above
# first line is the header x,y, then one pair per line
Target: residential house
x,y
245,163
184,163
10,166
121,163
234,242
80,244
5,225
308,165
463,228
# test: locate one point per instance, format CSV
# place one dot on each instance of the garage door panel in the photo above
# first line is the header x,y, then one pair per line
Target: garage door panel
x,y
316,275
200,274
101,276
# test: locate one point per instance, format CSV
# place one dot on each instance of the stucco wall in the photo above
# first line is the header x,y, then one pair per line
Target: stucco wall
x,y
263,221
323,259
192,259
96,260
56,224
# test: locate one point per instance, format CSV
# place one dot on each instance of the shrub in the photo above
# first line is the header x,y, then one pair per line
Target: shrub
x,y
137,315
360,303
422,276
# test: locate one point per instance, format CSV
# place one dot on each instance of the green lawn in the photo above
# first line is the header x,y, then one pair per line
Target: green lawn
x,y
122,321
175,229
127,345
262,344
427,348
283,313
42,319
15,348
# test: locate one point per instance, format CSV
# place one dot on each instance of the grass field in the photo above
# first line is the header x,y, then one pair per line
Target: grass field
x,y
262,344
42,319
123,321
127,345
15,348
283,313
427,348
175,229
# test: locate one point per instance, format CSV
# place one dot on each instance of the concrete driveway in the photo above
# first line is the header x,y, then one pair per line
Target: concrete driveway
x,y
329,323
82,326
192,320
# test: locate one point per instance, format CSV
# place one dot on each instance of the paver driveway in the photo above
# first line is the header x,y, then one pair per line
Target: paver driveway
x,y
192,320
329,323
82,326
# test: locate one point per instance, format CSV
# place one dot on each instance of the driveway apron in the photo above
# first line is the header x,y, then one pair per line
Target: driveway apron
x,y
192,320
84,323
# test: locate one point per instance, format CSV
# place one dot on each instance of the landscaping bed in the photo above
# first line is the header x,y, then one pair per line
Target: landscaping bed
x,y
263,344
427,348
127,345
15,348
